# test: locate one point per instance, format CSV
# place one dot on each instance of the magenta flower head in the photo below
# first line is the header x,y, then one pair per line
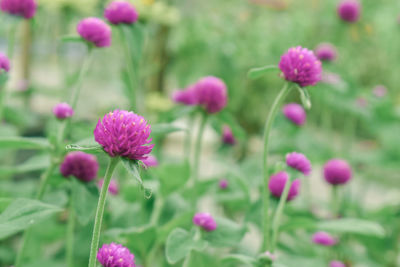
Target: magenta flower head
x,y
223,184
299,162
115,255
95,31
227,136
81,165
150,161
337,264
118,12
299,65
379,91
323,239
277,184
124,133
113,188
205,221
295,113
22,8
186,97
4,63
349,10
63,111
337,171
211,93
326,52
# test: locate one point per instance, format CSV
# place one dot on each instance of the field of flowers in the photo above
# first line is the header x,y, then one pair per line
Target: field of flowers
x,y
184,133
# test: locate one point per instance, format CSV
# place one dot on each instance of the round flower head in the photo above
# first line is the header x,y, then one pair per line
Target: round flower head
x,y
361,102
186,97
295,113
211,94
349,10
205,221
115,255
337,264
118,12
4,63
223,184
22,8
299,162
227,136
323,239
379,91
337,171
124,133
277,184
299,65
63,111
150,161
95,31
81,165
113,188
326,52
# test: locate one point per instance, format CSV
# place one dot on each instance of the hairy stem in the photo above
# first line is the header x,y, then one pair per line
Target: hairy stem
x,y
70,235
196,159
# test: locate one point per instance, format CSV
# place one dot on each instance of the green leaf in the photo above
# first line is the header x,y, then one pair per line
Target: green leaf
x,y
24,143
3,77
91,149
162,129
227,234
179,243
84,200
172,176
35,163
236,259
141,240
258,72
23,213
72,38
201,259
352,226
133,168
305,97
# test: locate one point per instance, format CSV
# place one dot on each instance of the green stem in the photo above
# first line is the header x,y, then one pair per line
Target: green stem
x,y
335,201
100,211
267,129
278,214
3,95
11,40
70,235
157,210
188,137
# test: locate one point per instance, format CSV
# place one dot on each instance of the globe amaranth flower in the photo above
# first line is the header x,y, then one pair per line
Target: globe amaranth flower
x,y
150,161
379,91
81,165
121,12
124,133
211,94
326,52
227,136
115,255
349,10
4,63
323,239
223,184
299,65
299,162
63,111
337,264
186,97
22,8
295,113
337,171
113,188
205,221
277,184
95,31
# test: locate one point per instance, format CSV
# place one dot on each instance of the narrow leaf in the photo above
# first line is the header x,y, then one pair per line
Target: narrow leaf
x,y
161,129
87,149
133,167
258,72
72,38
24,143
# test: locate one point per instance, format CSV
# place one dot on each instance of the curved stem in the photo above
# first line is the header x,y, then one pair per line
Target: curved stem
x,y
267,129
100,211
70,235
335,201
196,160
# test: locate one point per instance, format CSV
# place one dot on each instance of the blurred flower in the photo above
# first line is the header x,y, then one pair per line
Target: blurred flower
x,y
123,133
187,96
299,65
150,161
337,264
349,10
23,85
227,136
299,162
337,171
270,255
63,111
277,184
4,63
113,188
326,52
223,184
23,8
81,165
361,102
115,255
118,12
379,91
295,113
95,31
211,94
205,221
324,239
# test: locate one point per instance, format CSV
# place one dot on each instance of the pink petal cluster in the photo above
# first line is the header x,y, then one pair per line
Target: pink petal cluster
x,y
223,184
205,221
186,97
299,162
124,133
337,264
324,239
277,184
337,171
349,10
95,31
150,161
81,165
227,136
115,255
63,111
113,188
4,63
22,8
300,65
121,12
295,113
326,52
379,91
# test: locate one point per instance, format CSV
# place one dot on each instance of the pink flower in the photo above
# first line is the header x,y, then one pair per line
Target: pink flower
x,y
227,136
298,162
205,221
223,184
95,31
337,171
4,63
81,165
277,184
349,10
150,161
295,113
63,111
187,96
113,188
326,52
379,91
22,8
211,94
115,255
337,264
118,12
324,239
